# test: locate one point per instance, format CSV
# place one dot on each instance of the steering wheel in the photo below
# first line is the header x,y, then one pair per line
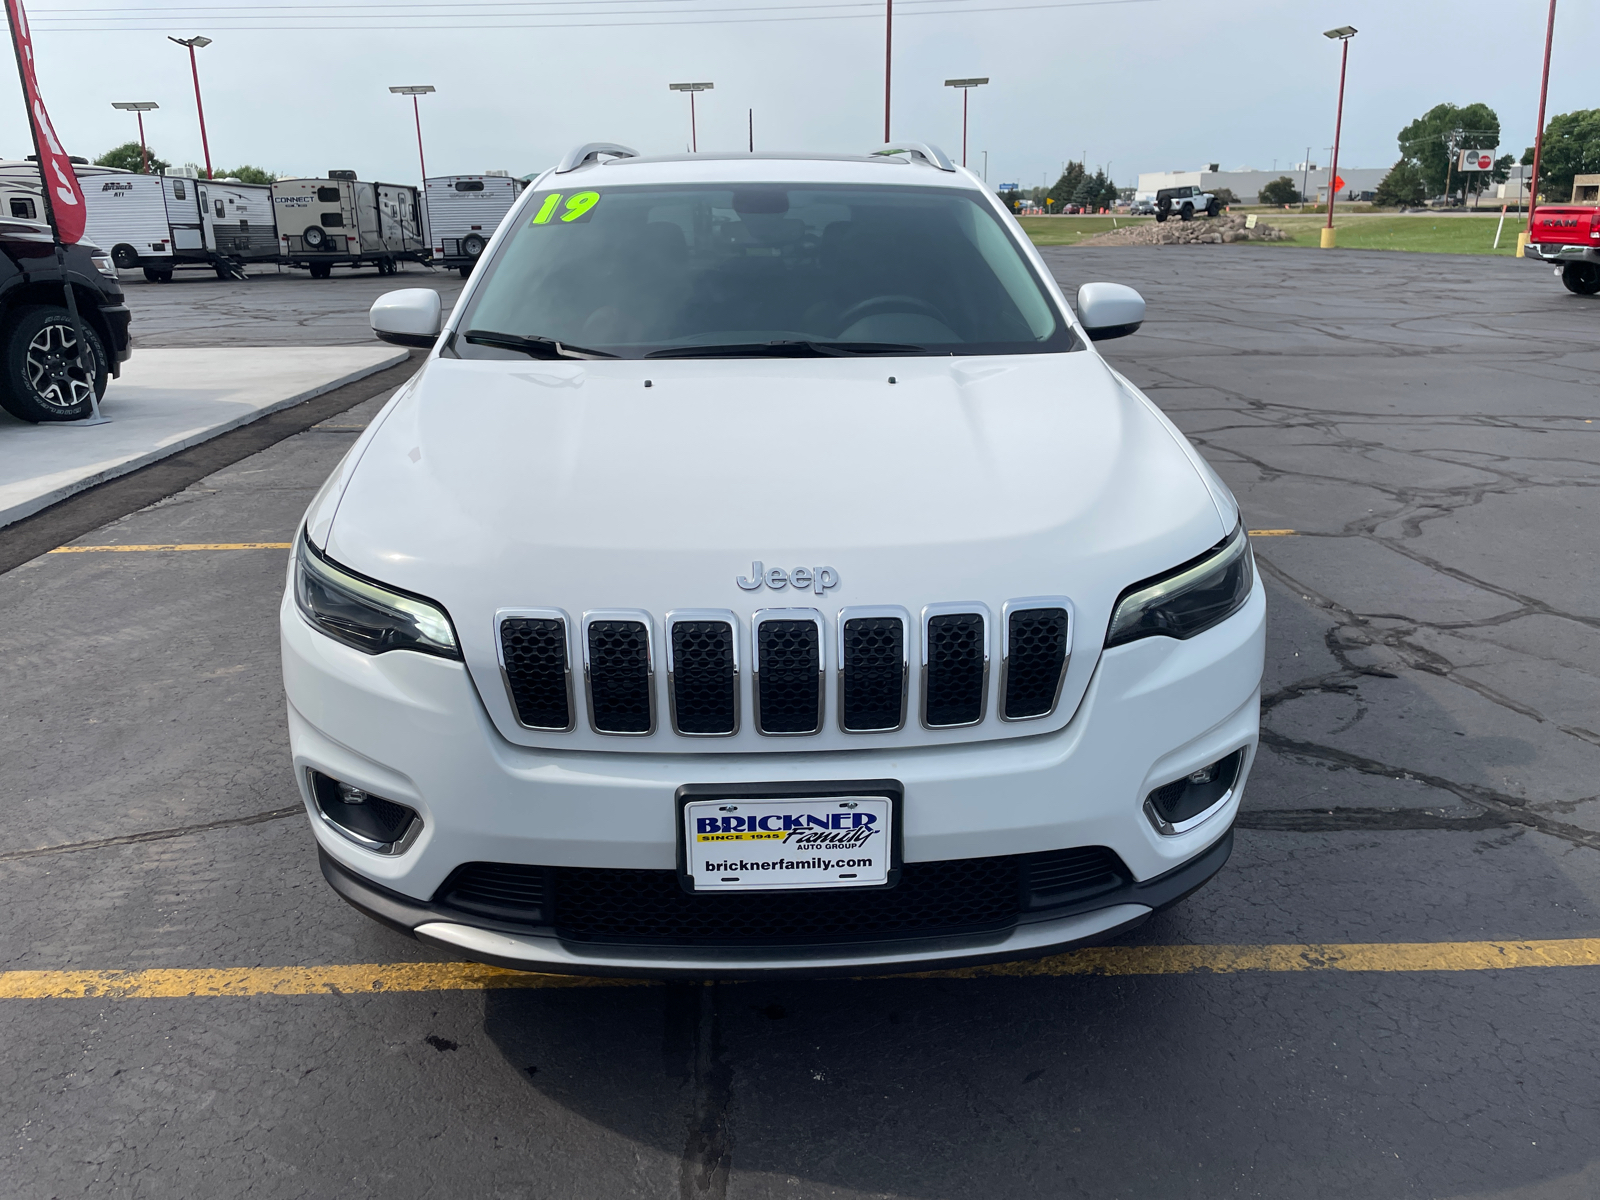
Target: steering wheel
x,y
877,304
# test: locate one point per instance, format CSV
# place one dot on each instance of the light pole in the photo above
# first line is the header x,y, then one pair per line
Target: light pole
x,y
1538,140
692,88
415,90
965,86
888,62
195,43
1343,34
139,108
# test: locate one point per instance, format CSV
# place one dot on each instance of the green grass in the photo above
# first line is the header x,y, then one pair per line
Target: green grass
x,y
1069,231
1421,232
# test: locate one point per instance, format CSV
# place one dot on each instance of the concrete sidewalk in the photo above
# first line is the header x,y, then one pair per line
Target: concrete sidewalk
x,y
165,401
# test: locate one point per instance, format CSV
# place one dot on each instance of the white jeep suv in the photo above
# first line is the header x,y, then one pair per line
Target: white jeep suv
x,y
765,573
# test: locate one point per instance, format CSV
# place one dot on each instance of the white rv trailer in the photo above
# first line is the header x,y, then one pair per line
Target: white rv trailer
x,y
237,221
123,212
340,221
461,213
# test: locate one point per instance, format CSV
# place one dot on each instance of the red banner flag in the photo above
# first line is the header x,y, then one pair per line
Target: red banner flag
x,y
63,197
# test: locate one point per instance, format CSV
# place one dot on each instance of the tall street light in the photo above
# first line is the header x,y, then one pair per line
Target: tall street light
x,y
888,62
1343,34
966,85
415,90
692,88
139,108
1538,140
195,43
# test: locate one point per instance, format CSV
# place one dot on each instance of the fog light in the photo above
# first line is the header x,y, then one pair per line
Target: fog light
x,y
368,820
1179,806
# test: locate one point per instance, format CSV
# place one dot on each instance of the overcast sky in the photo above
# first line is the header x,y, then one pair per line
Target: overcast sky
x,y
1142,85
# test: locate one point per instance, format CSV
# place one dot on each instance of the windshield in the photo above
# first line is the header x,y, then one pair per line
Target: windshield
x,y
760,269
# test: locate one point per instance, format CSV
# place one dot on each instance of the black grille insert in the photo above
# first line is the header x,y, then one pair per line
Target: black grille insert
x,y
1036,656
872,675
1064,876
504,891
535,650
619,676
967,895
789,676
954,681
704,682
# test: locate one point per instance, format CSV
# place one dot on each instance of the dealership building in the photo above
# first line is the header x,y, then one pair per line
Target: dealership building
x,y
1246,183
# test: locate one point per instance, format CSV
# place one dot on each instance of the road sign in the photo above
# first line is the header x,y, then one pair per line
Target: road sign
x,y
1008,187
1476,160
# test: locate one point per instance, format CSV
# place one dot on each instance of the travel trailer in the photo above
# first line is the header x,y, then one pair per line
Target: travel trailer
x,y
341,221
462,212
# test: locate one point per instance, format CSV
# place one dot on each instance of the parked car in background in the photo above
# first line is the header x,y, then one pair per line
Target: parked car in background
x,y
1142,208
1568,237
1185,202
41,377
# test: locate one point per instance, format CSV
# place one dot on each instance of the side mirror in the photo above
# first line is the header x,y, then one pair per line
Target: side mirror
x,y
409,317
1107,310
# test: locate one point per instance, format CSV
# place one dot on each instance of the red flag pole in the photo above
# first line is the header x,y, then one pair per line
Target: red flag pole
x,y
49,155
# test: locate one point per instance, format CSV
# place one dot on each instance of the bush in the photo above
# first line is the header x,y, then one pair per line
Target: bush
x,y
1280,191
247,174
1401,187
1225,196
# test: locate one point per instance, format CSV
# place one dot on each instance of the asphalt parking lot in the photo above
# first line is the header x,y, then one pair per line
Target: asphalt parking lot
x,y
1418,436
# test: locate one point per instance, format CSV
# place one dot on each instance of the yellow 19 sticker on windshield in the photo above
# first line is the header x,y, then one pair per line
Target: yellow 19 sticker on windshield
x,y
558,208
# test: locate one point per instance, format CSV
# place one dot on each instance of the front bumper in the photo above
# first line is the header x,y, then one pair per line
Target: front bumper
x,y
411,728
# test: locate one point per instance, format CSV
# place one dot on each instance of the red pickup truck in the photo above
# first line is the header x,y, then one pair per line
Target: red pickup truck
x,y
1568,235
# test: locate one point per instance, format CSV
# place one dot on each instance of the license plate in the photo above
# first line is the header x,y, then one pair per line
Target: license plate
x,y
775,845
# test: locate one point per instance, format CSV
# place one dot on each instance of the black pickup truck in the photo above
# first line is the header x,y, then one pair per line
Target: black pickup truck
x,y
41,378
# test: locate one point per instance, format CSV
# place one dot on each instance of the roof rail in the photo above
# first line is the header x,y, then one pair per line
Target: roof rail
x,y
931,155
592,150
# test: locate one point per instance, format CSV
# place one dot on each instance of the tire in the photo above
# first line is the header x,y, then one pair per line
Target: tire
x,y
1213,210
1161,214
158,274
41,379
1187,213
472,245
1581,278
124,257
465,271
321,270
313,238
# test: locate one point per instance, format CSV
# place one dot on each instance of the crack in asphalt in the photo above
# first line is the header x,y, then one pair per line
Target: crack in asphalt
x,y
155,835
708,1150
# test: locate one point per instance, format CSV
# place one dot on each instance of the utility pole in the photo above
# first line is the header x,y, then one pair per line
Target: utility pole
x,y
415,90
1342,35
1538,140
965,86
888,62
692,88
139,108
194,43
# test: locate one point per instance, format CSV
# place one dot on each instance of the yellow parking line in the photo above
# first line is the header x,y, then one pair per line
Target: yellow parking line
x,y
175,546
379,978
1272,533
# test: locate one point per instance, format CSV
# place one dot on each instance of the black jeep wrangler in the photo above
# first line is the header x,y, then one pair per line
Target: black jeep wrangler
x,y
41,378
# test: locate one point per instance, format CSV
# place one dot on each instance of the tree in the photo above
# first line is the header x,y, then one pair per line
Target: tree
x,y
1435,139
126,158
247,174
1571,147
1225,195
1280,191
1401,187
1011,198
1066,187
1084,194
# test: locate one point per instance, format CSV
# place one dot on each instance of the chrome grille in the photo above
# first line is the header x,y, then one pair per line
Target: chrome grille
x,y
955,665
703,673
786,670
619,668
872,670
1036,644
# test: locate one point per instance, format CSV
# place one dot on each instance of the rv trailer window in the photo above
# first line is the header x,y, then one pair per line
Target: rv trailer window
x,y
469,185
333,220
328,195
218,204
23,208
178,191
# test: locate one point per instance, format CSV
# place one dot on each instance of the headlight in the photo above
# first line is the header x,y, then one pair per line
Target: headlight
x,y
366,615
1190,599
103,264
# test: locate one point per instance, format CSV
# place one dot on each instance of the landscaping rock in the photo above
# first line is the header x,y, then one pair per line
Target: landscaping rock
x,y
1200,231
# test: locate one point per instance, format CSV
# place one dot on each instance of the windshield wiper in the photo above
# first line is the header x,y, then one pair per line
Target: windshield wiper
x,y
787,349
533,347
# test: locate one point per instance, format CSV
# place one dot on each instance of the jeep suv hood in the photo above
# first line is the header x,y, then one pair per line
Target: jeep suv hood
x,y
654,485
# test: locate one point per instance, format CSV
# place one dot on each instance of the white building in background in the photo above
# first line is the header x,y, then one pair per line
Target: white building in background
x,y
1246,183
